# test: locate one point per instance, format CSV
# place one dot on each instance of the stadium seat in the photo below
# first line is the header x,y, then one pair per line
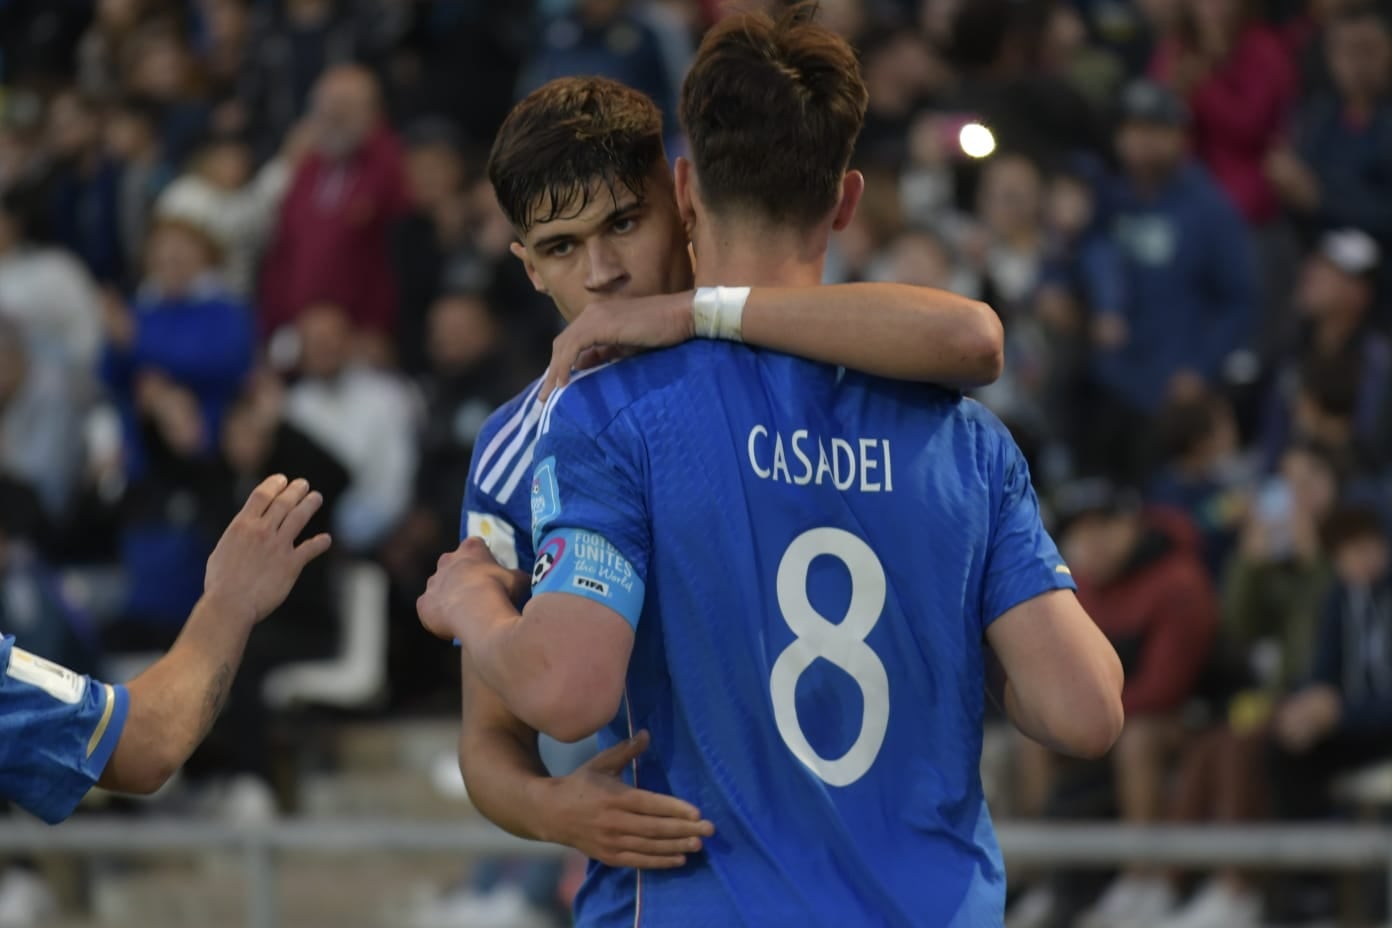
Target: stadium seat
x,y
356,678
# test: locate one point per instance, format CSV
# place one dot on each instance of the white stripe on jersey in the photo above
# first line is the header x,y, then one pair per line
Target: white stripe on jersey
x,y
522,439
551,403
523,469
506,432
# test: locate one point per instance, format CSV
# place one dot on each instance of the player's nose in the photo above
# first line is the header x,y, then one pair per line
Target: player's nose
x,y
607,274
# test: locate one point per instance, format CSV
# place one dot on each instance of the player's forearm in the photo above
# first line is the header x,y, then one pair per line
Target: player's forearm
x,y
1066,726
174,703
890,330
500,763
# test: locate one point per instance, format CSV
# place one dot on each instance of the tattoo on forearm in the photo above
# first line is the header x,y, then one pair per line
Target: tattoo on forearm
x,y
218,690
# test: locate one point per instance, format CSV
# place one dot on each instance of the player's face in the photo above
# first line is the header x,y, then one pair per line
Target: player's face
x,y
620,245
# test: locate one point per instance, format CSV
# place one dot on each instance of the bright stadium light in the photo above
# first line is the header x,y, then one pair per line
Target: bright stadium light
x,y
976,140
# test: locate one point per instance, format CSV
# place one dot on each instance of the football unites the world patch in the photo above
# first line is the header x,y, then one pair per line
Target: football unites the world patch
x,y
587,564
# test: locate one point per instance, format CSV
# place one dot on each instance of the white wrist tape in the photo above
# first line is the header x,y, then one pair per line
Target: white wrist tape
x,y
719,312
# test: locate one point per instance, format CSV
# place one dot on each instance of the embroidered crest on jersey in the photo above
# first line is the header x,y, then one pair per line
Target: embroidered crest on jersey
x,y
546,498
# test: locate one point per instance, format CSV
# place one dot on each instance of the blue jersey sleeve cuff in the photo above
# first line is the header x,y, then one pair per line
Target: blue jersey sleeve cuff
x,y
112,725
1046,579
586,564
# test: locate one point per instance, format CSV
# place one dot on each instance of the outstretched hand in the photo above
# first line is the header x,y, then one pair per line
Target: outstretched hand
x,y
256,562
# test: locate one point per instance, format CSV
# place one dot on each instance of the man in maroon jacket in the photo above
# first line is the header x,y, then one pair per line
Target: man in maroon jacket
x,y
1141,577
331,238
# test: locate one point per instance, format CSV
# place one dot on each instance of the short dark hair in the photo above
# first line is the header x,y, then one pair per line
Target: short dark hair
x,y
1332,384
1350,523
565,136
773,109
1183,425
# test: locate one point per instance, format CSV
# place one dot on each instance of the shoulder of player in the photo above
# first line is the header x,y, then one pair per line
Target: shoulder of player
x,y
506,438
595,398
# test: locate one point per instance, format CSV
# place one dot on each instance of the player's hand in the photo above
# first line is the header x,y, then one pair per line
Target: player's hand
x,y
615,328
256,561
462,577
595,812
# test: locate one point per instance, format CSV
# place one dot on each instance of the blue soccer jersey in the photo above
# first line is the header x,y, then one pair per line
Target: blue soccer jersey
x,y
57,732
496,500
810,559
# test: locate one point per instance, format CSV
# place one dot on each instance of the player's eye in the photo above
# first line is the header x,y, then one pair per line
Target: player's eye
x,y
624,225
560,249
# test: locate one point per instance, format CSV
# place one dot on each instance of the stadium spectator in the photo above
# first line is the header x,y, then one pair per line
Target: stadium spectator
x,y
331,240
1270,618
1202,472
1192,284
132,139
1240,85
433,245
175,360
1082,279
236,205
364,417
1337,169
161,69
40,422
1343,717
611,39
83,186
1141,578
293,44
1335,298
1007,251
46,291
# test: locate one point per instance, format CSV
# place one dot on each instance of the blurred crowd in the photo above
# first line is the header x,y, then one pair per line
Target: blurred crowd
x,y
247,236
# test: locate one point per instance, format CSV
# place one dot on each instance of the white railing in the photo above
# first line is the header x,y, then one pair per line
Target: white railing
x,y
1324,847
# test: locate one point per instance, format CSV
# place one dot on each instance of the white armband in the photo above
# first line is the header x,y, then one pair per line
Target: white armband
x,y
719,312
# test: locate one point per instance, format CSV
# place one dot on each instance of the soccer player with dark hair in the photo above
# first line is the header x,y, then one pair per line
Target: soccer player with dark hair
x,y
580,171
787,571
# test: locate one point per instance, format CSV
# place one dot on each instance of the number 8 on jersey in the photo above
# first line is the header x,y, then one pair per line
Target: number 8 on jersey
x,y
842,644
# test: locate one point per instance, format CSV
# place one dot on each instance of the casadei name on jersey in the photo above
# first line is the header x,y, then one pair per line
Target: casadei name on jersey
x,y
866,461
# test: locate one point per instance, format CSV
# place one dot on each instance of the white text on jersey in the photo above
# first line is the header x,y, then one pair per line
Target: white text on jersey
x,y
839,462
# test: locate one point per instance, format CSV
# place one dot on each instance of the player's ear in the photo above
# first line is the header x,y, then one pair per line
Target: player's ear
x,y
852,188
519,251
684,178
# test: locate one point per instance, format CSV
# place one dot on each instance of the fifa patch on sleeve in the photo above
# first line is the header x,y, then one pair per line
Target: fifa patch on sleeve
x,y
59,682
586,564
497,533
546,497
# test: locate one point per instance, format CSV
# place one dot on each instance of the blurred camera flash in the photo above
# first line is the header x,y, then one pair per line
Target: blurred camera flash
x,y
976,140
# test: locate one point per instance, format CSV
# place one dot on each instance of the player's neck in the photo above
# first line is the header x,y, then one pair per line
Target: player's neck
x,y
753,258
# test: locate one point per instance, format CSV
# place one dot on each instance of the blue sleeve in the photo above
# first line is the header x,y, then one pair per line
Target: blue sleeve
x,y
1022,561
57,732
1232,288
589,515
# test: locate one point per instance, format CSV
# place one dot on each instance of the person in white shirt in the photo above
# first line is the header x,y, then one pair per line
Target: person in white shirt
x,y
366,418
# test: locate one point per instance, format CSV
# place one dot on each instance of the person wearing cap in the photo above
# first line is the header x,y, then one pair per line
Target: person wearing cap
x,y
1335,297
1141,577
1337,169
1192,282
